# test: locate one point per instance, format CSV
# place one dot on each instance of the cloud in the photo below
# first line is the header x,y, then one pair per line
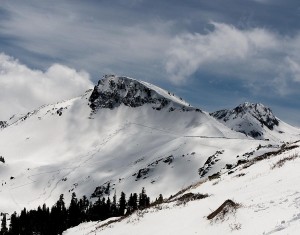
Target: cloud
x,y
257,55
130,37
23,89
99,38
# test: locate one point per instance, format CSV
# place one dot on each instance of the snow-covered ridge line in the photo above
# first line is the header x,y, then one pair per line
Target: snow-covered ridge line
x,y
113,91
17,118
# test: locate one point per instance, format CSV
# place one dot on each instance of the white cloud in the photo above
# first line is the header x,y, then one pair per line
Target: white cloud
x,y
23,89
256,55
294,68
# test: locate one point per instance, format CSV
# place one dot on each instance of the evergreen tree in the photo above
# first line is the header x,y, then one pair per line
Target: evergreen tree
x,y
160,199
83,206
73,212
14,226
122,204
63,214
107,208
97,210
42,221
24,222
45,217
58,216
103,211
4,229
114,209
132,203
144,200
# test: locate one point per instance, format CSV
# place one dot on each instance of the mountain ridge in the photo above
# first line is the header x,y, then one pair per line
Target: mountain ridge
x,y
112,91
254,120
70,147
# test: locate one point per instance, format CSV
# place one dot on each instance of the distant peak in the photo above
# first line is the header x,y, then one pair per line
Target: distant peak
x,y
252,105
258,111
255,107
112,91
112,77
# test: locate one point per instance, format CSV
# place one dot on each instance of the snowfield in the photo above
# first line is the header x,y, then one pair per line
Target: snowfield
x,y
268,198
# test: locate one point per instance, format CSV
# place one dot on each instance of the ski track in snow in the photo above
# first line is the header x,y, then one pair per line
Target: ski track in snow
x,y
84,161
53,182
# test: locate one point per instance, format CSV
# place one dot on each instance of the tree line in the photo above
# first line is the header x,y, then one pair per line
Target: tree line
x,y
46,221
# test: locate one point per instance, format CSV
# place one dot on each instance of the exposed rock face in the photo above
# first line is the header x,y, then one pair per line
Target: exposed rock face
x,y
248,118
113,91
3,124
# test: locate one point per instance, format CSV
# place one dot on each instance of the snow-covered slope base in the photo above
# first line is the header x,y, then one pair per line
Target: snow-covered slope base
x,y
265,192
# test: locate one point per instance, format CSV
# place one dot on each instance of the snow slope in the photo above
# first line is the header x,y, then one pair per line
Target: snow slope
x,y
124,133
257,121
267,193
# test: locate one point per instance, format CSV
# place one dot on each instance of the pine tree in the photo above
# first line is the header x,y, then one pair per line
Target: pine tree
x,y
132,203
144,200
122,204
160,199
58,216
83,206
24,222
45,214
104,213
4,229
63,213
14,226
73,212
43,222
95,211
107,208
114,210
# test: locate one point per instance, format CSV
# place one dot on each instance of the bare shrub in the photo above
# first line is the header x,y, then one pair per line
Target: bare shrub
x,y
228,207
195,185
214,176
235,226
282,161
110,222
190,197
240,175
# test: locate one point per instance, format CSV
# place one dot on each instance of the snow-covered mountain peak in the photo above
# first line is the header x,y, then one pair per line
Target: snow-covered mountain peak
x,y
257,121
261,114
112,91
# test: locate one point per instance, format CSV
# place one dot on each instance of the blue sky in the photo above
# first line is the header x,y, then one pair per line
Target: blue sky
x,y
215,54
